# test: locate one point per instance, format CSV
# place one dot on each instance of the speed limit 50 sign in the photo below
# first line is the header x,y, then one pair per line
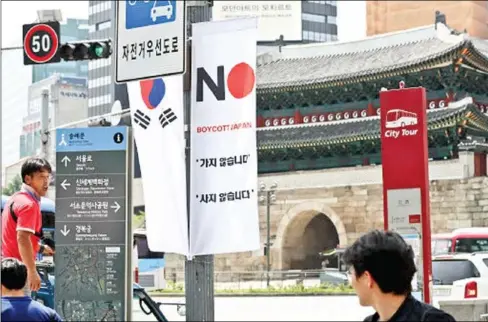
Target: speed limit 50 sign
x,y
41,43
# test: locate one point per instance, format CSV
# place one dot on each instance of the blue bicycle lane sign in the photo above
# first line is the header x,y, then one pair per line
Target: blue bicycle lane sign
x,y
143,13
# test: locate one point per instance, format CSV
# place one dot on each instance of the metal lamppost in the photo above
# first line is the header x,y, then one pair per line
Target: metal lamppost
x,y
268,196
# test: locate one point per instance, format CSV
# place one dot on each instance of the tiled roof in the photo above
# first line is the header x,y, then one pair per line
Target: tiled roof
x,y
335,63
473,144
337,132
481,45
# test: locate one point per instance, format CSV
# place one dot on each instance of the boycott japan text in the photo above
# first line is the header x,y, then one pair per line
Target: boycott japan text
x,y
224,127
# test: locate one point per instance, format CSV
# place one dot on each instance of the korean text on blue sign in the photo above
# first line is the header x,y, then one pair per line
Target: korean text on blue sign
x,y
145,13
91,139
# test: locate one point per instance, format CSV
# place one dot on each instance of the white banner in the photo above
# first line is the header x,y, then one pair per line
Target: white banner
x,y
157,118
224,206
275,18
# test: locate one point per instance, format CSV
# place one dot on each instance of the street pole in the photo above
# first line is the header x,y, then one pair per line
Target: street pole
x,y
45,124
199,271
268,237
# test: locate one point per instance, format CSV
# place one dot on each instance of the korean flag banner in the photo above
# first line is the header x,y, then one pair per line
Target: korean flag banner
x,y
157,118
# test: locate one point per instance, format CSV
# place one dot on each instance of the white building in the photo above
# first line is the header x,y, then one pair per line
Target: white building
x,y
68,102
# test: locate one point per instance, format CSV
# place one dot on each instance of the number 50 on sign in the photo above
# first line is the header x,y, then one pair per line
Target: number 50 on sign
x,y
41,43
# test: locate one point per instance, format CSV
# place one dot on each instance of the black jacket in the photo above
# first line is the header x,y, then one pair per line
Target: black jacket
x,y
414,310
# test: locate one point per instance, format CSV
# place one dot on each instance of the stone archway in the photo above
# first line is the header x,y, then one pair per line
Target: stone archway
x,y
305,230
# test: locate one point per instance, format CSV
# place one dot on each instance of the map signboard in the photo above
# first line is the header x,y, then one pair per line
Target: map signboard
x,y
92,264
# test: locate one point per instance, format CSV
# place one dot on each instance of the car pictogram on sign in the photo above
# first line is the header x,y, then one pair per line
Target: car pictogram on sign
x,y
149,12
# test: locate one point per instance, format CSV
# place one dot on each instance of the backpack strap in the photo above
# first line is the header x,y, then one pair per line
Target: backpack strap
x,y
15,218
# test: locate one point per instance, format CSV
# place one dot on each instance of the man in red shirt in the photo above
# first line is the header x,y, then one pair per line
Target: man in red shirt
x,y
22,229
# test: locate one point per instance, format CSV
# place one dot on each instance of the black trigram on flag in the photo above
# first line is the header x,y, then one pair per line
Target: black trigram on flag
x,y
167,117
141,119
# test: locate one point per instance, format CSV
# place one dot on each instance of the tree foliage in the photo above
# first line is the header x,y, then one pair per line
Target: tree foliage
x,y
13,186
139,220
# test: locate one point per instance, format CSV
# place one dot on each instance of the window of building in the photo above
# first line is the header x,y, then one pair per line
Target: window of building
x,y
332,20
23,148
35,105
29,143
103,25
103,6
99,100
37,140
101,81
312,17
99,63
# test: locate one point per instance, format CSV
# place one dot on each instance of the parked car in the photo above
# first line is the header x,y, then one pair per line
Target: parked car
x,y
460,276
461,240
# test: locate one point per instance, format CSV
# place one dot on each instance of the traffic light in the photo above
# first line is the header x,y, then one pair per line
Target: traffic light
x,y
86,50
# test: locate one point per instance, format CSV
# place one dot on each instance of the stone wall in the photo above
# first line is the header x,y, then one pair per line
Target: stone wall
x,y
354,210
390,16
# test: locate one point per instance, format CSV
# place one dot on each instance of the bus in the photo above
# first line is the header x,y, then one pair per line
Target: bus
x,y
462,240
149,266
400,118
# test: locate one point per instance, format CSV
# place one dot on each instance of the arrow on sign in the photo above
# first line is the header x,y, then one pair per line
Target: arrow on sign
x,y
65,231
65,184
65,160
116,206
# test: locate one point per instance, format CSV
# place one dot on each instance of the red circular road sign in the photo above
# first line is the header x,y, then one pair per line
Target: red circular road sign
x,y
41,43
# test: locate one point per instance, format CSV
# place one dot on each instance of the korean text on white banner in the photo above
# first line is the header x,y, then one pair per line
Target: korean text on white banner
x,y
157,118
223,206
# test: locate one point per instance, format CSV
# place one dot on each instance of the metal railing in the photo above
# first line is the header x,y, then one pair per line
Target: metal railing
x,y
235,280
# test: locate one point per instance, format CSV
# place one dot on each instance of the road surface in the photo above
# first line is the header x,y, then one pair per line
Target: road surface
x,y
297,308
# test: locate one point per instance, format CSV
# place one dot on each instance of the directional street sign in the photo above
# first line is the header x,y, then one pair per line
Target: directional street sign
x,y
41,43
151,39
93,235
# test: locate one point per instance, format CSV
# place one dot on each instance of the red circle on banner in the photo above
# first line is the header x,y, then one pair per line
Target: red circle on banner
x,y
54,43
241,80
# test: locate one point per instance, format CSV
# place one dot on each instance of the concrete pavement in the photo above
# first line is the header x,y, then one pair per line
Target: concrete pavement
x,y
300,308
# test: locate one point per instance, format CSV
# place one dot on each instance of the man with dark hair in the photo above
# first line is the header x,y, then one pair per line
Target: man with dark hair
x,y
22,220
381,268
15,305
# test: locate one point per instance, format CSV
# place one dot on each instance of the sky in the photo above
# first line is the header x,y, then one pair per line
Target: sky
x,y
17,13
351,17
351,20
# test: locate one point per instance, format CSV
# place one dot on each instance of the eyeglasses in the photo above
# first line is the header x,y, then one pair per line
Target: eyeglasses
x,y
48,177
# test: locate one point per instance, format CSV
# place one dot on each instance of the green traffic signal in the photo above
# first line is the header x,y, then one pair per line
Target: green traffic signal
x,y
101,49
98,51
